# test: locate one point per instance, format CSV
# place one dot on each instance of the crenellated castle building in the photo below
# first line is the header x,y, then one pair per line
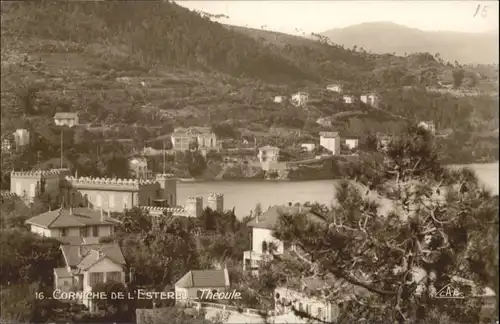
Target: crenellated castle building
x,y
158,196
116,195
29,184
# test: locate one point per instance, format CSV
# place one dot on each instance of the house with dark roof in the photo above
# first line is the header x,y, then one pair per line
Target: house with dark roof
x,y
199,284
264,244
69,119
88,264
63,223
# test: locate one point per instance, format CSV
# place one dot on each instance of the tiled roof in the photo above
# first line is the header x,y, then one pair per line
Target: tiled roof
x,y
64,115
62,273
204,279
71,240
83,256
270,218
77,217
329,134
268,148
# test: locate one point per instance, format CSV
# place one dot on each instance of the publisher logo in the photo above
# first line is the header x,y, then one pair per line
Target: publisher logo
x,y
449,292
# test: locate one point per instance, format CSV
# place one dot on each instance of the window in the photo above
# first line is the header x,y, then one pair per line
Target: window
x,y
125,201
308,309
95,231
264,246
111,200
149,201
277,296
84,232
98,200
64,231
114,276
199,294
96,277
19,190
32,190
320,313
301,307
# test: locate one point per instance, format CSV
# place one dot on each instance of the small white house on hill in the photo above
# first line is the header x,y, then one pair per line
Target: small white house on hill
x,y
335,87
330,141
300,99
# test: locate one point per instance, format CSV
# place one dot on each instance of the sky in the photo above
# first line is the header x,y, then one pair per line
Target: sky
x,y
299,17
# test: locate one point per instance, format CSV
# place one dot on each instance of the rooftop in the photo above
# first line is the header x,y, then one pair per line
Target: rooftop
x,y
84,256
268,148
65,115
270,218
329,134
75,217
204,279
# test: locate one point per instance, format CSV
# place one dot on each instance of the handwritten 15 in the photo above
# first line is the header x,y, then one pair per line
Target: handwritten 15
x,y
484,11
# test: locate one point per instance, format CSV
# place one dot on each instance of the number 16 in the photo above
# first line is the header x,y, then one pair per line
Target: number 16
x,y
483,12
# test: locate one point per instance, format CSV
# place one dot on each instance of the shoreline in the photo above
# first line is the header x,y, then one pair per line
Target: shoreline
x,y
194,180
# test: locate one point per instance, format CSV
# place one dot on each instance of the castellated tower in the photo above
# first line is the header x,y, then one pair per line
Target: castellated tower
x,y
194,206
168,185
216,202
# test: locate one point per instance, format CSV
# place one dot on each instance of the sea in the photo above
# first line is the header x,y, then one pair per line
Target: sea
x,y
243,196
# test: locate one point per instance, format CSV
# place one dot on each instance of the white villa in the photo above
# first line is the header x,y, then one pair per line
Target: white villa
x,y
87,265
351,142
370,99
334,87
308,296
279,99
348,99
300,99
65,223
262,234
330,141
69,119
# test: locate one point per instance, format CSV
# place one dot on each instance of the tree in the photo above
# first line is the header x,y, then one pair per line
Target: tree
x,y
431,229
19,304
111,289
135,220
196,163
163,253
27,258
258,209
458,76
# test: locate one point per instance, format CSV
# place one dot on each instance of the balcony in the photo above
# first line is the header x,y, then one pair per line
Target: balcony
x,y
252,259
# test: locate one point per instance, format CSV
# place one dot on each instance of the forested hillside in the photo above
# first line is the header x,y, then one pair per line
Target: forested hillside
x,y
135,70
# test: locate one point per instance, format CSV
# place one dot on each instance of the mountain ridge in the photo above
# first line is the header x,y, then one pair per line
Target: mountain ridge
x,y
389,37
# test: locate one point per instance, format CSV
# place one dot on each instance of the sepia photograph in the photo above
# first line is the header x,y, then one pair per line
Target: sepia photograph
x,y
237,162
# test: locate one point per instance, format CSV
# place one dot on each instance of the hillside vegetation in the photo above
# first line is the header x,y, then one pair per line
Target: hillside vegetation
x,y
136,70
